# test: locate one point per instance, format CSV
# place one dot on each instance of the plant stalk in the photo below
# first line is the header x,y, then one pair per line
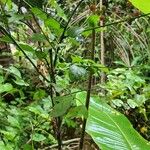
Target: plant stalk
x,y
88,92
58,119
102,46
64,31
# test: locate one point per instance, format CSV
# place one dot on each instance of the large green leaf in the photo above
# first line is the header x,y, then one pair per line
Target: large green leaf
x,y
39,13
111,130
143,5
63,105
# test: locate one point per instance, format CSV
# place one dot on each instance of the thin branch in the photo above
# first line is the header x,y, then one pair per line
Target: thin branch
x,y
117,22
34,31
64,31
65,28
63,143
88,91
15,43
53,80
46,37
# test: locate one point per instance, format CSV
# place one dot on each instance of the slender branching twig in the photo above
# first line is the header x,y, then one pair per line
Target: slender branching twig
x,y
19,47
88,92
117,22
64,31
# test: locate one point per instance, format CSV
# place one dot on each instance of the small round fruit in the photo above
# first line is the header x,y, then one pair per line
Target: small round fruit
x,y
93,8
136,13
101,18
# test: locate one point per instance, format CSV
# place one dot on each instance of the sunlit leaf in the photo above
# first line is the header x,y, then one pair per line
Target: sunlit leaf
x,y
52,23
39,13
21,82
14,71
93,20
111,130
7,87
40,94
143,5
79,111
6,39
26,47
38,137
63,106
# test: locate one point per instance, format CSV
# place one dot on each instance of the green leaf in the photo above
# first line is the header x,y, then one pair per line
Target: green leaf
x,y
40,54
59,10
76,59
52,23
79,111
27,147
51,138
54,26
15,18
21,82
15,71
80,98
77,72
38,37
6,87
63,106
1,79
8,135
142,5
38,137
8,2
93,20
74,31
46,102
61,83
40,94
6,39
39,13
13,121
36,109
117,102
111,130
140,99
132,103
26,47
5,147
35,3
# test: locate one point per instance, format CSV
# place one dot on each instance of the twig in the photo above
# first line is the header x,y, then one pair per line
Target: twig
x,y
88,92
59,120
15,43
117,22
64,31
46,37
63,143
